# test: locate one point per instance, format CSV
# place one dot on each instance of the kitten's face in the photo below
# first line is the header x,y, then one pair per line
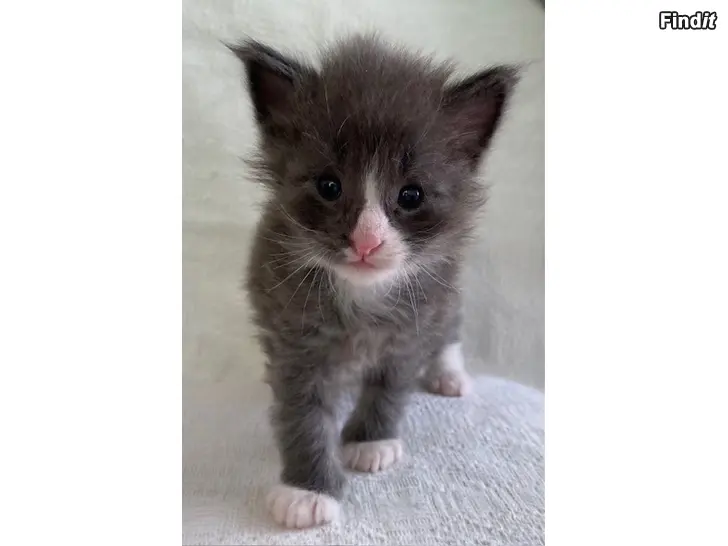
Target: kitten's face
x,y
374,202
371,159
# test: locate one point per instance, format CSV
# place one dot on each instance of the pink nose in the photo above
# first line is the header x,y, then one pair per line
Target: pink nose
x,y
365,245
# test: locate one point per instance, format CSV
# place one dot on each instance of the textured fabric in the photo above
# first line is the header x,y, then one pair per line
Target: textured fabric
x,y
473,472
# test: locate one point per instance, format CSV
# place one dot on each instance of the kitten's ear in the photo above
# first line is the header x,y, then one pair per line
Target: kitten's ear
x,y
473,109
272,78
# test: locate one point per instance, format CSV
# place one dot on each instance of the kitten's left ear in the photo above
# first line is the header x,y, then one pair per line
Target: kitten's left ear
x,y
272,79
473,109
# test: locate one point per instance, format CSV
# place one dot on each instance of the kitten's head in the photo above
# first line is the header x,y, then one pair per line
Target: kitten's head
x,y
371,157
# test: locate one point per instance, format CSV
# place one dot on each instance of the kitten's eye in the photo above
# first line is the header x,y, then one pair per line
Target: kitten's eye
x,y
328,187
410,197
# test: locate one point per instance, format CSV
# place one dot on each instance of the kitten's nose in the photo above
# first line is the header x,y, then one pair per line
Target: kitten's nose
x,y
364,245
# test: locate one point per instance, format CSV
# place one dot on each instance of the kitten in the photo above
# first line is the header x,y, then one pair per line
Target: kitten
x,y
369,161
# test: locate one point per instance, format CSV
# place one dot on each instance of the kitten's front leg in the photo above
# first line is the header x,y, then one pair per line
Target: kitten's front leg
x,y
370,437
447,375
312,478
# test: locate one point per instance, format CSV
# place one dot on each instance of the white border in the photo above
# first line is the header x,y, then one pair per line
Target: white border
x,y
90,216
637,276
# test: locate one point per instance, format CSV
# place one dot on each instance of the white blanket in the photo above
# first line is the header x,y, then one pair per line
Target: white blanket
x,y
475,470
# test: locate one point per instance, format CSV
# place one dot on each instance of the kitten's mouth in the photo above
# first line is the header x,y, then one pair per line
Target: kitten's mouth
x,y
371,268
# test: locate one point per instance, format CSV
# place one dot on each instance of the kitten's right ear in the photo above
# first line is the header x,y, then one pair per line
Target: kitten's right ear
x,y
474,107
272,78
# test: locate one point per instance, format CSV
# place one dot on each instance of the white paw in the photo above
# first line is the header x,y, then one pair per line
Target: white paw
x,y
372,456
451,383
448,376
299,509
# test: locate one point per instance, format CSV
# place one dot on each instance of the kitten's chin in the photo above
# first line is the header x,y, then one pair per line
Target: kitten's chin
x,y
361,274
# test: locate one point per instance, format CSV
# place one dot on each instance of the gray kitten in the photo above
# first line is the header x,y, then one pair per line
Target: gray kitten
x,y
369,161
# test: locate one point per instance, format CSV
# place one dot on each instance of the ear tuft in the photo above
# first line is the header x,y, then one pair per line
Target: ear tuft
x,y
272,78
473,108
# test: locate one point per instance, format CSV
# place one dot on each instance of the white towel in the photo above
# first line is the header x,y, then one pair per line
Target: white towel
x,y
473,472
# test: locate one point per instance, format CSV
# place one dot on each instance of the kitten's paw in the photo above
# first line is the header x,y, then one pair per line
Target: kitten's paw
x,y
448,376
299,509
451,383
372,456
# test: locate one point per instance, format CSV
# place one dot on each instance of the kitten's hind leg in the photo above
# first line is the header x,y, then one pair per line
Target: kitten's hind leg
x,y
370,435
447,375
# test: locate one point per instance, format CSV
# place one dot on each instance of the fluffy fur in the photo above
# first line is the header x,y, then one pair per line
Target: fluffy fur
x,y
377,119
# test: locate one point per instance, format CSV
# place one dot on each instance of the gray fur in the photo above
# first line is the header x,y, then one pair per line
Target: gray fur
x,y
369,108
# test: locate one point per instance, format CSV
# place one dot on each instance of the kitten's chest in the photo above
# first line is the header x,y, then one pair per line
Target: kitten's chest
x,y
369,343
363,348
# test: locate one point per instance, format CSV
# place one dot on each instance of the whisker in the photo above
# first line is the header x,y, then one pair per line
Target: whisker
x,y
417,280
288,277
295,222
294,252
342,125
431,228
292,243
299,284
305,302
320,146
283,235
414,306
291,262
286,260
438,279
321,311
